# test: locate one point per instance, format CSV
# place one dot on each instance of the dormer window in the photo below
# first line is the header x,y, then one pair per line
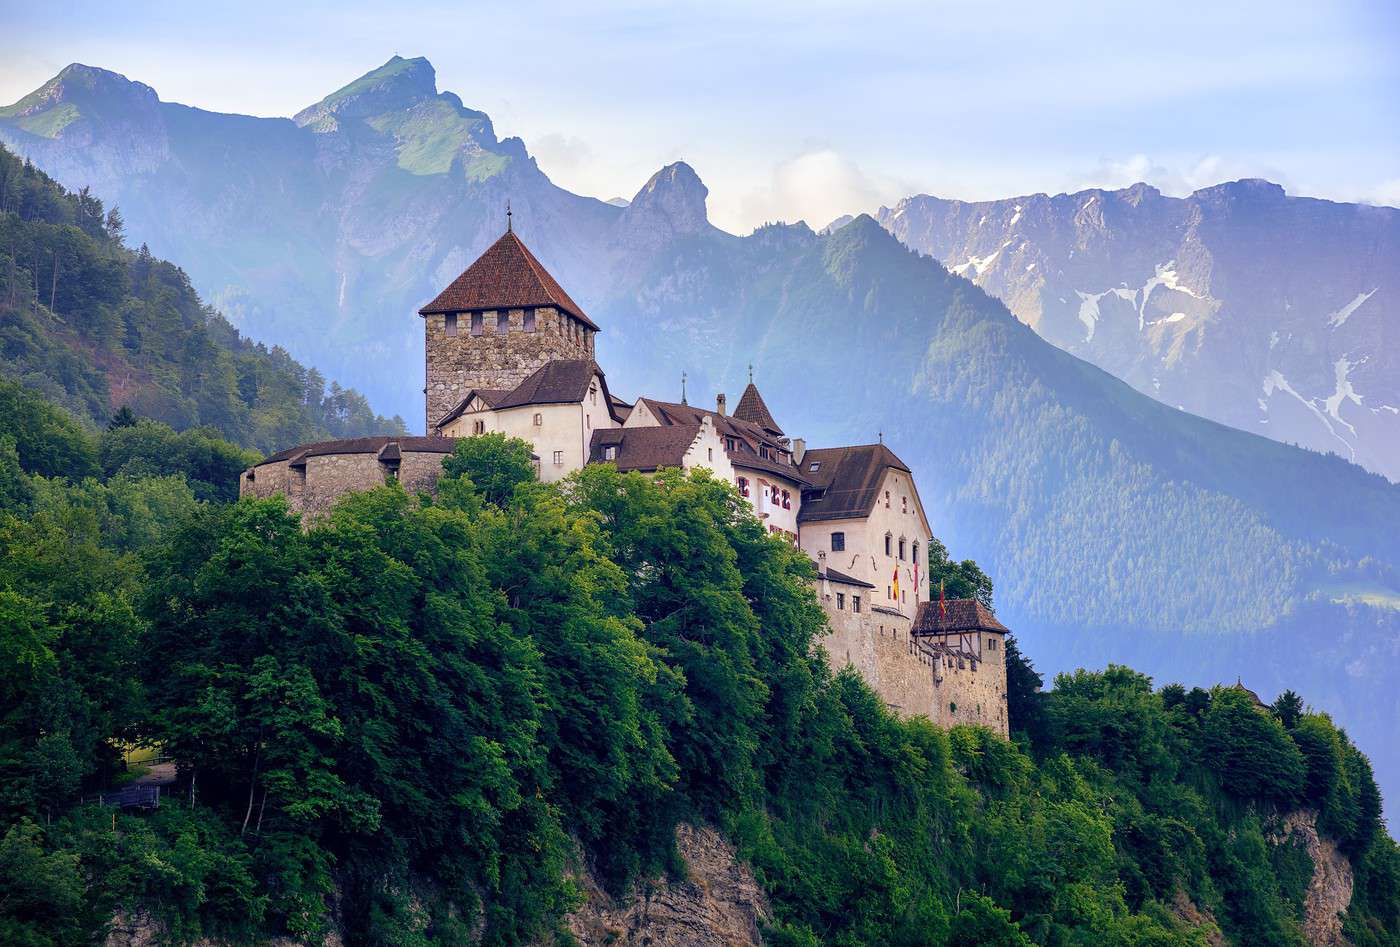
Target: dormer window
x,y
763,451
816,465
610,453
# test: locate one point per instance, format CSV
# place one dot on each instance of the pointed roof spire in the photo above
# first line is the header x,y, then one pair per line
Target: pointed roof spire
x,y
506,276
751,408
683,401
508,228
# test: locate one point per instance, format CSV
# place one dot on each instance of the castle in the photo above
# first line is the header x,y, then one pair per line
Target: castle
x,y
507,350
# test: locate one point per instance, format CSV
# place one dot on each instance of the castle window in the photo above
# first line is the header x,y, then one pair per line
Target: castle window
x,y
952,708
901,548
449,322
559,458
887,499
478,427
592,395
838,542
610,453
710,451
476,323
915,556
743,486
889,540
529,320
816,465
539,419
729,444
763,451
774,495
787,500
855,603
502,321
840,601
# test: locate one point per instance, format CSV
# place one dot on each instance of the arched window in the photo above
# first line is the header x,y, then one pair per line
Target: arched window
x,y
593,395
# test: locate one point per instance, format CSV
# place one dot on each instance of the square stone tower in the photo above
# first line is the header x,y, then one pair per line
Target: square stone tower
x,y
496,324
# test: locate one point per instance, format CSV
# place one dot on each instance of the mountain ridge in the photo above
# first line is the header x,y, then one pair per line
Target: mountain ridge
x,y
1116,524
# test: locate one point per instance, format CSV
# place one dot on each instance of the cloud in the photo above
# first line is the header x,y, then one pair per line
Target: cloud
x,y
816,186
1387,192
1177,177
561,154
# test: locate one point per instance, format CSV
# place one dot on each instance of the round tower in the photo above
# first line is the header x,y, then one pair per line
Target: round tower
x,y
496,324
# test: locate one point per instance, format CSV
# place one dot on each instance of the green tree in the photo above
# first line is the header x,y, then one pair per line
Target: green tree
x,y
494,463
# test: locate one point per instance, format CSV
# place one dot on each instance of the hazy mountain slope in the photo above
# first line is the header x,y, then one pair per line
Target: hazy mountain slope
x,y
1115,526
323,233
95,327
1274,314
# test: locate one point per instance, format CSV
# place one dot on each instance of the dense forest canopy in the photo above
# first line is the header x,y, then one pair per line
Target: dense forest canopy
x,y
416,719
95,326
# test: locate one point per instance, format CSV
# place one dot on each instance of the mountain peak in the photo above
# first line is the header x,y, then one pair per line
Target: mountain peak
x,y
398,84
677,193
79,91
1243,189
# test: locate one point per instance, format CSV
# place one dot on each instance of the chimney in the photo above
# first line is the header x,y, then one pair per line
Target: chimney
x,y
821,563
719,404
799,449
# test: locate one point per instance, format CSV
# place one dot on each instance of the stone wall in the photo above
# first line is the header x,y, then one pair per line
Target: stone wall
x,y
314,485
880,648
457,364
971,691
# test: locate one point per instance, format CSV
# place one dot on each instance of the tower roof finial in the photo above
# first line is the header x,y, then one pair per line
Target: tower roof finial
x,y
750,373
683,401
508,230
881,436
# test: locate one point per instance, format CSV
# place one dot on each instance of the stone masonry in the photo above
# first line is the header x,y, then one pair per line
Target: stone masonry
x,y
491,359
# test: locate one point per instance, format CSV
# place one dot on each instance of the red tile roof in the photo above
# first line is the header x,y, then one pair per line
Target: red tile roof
x,y
752,409
960,615
506,276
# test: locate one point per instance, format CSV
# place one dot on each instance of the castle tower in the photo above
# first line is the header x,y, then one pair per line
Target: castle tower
x,y
496,324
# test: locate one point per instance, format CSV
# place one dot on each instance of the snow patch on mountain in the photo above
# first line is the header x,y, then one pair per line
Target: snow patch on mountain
x,y
1342,315
1343,393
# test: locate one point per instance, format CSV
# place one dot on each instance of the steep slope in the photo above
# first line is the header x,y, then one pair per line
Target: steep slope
x,y
323,233
1118,527
1270,313
96,327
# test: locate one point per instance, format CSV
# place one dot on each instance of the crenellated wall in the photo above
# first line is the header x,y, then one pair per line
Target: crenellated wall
x,y
458,363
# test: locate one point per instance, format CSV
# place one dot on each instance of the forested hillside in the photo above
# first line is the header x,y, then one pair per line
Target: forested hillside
x,y
419,720
95,326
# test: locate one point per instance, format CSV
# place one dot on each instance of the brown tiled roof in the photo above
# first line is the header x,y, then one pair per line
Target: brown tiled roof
x,y
750,437
364,445
643,449
559,381
491,396
844,579
752,409
846,480
961,615
506,276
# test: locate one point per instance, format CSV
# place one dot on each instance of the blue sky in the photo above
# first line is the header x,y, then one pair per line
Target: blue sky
x,y
809,110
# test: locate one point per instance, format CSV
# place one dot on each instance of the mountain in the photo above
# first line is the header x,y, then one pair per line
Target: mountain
x,y
96,327
1118,528
1270,313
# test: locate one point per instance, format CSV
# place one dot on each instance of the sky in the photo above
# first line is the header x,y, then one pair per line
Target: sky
x,y
812,110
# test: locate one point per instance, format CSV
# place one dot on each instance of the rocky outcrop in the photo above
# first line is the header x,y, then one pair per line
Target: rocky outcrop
x,y
718,903
140,929
1329,891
